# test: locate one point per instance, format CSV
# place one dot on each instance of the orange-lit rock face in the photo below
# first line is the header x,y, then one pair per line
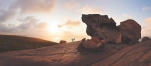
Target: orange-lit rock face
x,y
95,39
92,43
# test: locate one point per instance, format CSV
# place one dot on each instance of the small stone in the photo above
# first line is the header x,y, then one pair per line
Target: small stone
x,y
63,41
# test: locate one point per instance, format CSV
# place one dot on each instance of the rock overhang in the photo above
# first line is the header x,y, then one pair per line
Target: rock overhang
x,y
100,24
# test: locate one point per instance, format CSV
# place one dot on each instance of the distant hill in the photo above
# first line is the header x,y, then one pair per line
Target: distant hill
x,y
12,42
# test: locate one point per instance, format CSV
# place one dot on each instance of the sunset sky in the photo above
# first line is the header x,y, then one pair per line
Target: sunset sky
x,y
57,20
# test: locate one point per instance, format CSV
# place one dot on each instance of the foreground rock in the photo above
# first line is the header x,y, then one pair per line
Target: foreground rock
x,y
93,44
137,55
131,31
128,31
67,55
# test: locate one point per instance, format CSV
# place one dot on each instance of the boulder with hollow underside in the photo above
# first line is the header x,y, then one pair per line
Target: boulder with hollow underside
x,y
104,30
128,31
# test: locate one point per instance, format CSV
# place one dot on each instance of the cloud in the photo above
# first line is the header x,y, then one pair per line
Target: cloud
x,y
72,23
145,8
71,5
6,15
30,24
10,15
121,18
16,19
148,20
72,29
34,6
42,25
126,16
59,26
146,27
25,6
7,28
69,24
90,10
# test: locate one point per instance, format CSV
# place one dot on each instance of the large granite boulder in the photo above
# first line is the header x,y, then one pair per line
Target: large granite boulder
x,y
128,31
131,31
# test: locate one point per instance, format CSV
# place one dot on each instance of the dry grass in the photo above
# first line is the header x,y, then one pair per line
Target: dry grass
x,y
12,43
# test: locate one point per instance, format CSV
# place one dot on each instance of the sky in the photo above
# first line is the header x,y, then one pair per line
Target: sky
x,y
56,20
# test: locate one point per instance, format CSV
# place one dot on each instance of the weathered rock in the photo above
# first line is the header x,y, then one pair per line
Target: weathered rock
x,y
67,55
145,39
94,44
136,55
128,31
131,31
63,41
94,20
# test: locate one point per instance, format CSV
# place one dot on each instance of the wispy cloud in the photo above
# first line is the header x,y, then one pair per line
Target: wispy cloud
x,y
16,17
34,6
145,8
123,17
70,23
148,20
72,5
5,15
146,27
127,16
72,29
90,10
14,21
29,24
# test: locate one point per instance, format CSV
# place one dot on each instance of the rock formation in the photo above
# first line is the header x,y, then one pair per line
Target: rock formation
x,y
128,31
63,41
67,55
145,39
93,44
131,31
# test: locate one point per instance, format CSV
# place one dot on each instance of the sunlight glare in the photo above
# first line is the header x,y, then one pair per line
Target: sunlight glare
x,y
53,28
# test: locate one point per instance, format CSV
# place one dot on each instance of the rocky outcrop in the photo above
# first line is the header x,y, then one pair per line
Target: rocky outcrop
x,y
131,31
128,31
63,41
67,55
145,39
93,44
135,55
